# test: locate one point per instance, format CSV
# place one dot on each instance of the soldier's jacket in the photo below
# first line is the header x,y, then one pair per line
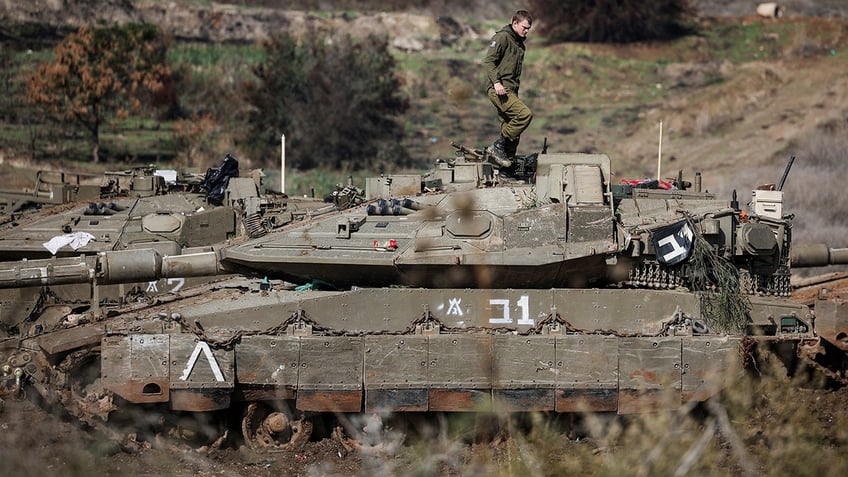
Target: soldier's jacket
x,y
504,59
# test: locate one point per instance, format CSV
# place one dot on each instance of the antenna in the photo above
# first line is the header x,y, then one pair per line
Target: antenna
x,y
283,163
659,156
786,172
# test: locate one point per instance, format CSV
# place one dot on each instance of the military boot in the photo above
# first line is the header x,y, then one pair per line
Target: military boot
x,y
510,148
497,153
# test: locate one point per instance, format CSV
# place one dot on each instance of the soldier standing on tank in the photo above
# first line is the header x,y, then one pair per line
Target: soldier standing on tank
x,y
503,67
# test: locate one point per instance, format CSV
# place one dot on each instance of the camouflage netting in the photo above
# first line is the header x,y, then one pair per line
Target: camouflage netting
x,y
724,306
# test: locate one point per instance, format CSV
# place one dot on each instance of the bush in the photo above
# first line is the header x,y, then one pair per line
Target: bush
x,y
616,21
337,101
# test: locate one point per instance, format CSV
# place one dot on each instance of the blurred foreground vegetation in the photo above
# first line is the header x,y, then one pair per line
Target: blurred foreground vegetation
x,y
766,423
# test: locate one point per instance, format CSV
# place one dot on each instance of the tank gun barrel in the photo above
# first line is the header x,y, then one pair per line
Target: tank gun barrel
x,y
817,255
61,271
126,266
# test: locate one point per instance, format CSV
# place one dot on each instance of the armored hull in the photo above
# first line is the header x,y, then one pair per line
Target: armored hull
x,y
564,350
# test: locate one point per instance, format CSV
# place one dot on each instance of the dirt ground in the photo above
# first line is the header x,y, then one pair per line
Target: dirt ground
x,y
36,442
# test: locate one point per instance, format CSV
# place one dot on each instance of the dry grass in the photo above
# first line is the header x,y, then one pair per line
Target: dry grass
x,y
768,426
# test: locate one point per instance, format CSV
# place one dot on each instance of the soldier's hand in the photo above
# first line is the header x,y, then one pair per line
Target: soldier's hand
x,y
499,89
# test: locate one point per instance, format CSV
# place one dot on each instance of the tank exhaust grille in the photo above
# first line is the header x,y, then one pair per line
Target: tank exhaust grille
x,y
253,225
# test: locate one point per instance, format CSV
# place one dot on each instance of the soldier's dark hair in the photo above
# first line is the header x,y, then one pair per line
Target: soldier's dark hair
x,y
522,15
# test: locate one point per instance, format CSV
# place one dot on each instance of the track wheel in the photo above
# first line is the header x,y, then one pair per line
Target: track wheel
x,y
265,429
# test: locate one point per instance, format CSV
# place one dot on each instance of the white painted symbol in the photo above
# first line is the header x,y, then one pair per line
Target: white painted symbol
x,y
523,303
216,370
676,249
505,319
453,306
179,281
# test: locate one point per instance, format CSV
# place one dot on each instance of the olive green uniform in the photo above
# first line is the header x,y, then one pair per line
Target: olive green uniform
x,y
503,64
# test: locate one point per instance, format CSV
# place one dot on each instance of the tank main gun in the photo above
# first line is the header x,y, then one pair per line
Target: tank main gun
x,y
105,268
817,255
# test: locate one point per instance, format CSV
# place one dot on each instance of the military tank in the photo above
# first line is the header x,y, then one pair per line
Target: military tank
x,y
543,287
68,215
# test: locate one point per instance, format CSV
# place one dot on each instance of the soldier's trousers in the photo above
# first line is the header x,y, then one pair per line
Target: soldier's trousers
x,y
514,115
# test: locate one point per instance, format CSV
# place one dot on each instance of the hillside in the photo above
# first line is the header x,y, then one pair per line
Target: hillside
x,y
735,100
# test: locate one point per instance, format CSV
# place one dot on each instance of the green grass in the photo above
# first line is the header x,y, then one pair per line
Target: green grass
x,y
215,55
589,77
15,134
26,57
192,3
139,144
318,182
321,182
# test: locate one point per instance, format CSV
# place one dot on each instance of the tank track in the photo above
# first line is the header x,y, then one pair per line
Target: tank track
x,y
765,285
656,276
